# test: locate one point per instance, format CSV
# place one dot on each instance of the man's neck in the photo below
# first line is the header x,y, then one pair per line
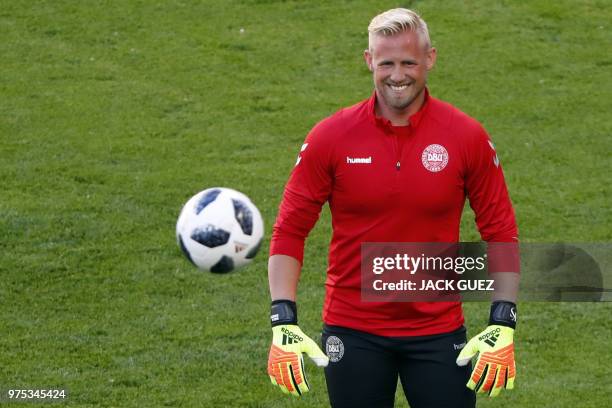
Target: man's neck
x,y
399,117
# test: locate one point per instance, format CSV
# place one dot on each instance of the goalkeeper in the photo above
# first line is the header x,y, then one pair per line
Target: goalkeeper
x,y
396,167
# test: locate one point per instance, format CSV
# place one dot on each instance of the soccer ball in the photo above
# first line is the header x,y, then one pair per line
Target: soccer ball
x,y
219,230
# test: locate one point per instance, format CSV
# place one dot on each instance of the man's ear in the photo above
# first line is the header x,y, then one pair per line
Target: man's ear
x,y
367,56
431,58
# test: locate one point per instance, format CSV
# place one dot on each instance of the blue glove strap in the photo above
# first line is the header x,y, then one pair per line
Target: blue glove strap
x,y
503,314
283,311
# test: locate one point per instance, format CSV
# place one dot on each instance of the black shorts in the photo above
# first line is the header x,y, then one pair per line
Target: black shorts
x,y
364,368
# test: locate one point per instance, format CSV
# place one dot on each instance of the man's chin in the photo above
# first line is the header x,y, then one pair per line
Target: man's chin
x,y
402,105
399,103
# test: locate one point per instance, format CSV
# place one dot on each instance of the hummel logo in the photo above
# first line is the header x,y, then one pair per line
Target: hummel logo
x,y
357,160
459,346
495,158
513,314
299,159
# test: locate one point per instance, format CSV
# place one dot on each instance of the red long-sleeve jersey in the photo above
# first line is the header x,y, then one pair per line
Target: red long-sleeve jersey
x,y
391,184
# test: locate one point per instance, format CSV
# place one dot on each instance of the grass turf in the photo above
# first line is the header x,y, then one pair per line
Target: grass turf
x,y
114,113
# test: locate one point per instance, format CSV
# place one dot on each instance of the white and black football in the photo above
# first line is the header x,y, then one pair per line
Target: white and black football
x,y
219,230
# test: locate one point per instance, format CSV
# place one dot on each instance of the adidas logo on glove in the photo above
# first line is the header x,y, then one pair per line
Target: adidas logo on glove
x,y
290,337
491,337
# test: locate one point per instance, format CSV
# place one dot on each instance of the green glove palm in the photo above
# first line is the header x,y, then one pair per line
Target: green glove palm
x,y
495,367
285,362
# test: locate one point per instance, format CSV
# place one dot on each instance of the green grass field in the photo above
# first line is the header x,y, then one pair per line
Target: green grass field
x,y
114,113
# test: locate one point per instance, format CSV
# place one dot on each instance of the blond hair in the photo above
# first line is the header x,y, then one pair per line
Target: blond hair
x,y
398,20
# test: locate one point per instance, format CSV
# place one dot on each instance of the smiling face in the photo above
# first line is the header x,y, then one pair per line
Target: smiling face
x,y
399,64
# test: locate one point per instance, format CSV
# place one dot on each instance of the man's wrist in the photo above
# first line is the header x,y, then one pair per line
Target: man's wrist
x,y
283,311
503,313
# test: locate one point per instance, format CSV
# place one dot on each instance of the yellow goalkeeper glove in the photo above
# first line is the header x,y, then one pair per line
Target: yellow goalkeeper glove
x,y
285,361
495,367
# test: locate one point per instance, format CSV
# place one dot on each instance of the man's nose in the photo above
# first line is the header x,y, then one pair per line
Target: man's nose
x,y
397,75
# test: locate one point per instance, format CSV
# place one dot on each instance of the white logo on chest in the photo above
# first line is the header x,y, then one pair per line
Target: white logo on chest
x,y
434,158
359,160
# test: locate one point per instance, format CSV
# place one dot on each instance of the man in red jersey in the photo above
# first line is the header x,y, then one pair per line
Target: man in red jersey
x,y
396,167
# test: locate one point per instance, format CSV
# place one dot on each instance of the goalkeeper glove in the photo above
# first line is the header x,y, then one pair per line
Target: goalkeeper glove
x,y
285,362
495,367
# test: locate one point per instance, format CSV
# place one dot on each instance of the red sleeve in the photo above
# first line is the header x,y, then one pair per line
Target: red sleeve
x,y
308,188
487,192
488,195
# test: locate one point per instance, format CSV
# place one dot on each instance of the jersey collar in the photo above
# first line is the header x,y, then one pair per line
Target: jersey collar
x,y
414,119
